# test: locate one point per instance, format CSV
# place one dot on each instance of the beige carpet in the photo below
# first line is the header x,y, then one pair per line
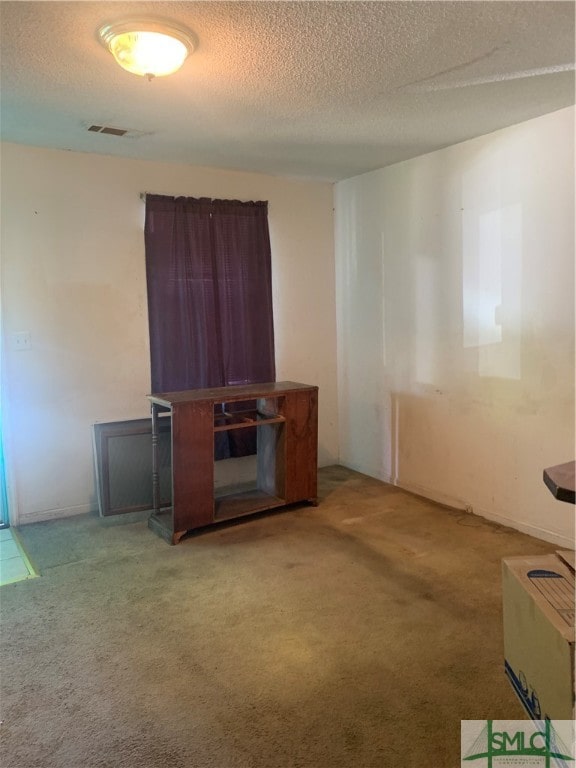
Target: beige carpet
x,y
355,634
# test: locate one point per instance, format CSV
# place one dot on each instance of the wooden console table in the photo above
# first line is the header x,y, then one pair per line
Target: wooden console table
x,y
286,420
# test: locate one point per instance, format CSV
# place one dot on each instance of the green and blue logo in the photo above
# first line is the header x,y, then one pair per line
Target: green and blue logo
x,y
520,743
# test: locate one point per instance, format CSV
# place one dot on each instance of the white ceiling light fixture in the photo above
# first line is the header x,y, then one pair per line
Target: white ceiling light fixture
x,y
147,47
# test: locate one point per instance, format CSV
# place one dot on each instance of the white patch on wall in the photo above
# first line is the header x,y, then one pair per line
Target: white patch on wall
x,y
492,289
427,320
383,281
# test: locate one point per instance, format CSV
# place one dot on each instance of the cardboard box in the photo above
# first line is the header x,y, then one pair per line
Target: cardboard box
x,y
538,602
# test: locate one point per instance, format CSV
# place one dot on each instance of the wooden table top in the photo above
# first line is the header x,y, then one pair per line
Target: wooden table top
x,y
560,480
228,394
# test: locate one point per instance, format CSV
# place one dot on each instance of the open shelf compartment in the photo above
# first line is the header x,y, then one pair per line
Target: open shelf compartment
x,y
247,413
266,487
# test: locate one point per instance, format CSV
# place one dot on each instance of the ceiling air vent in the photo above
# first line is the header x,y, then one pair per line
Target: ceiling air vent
x,y
108,130
127,133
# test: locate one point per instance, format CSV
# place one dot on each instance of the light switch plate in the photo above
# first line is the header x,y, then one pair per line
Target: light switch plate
x,y
22,341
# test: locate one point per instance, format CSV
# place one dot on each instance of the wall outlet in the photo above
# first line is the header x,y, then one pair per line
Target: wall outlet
x,y
22,341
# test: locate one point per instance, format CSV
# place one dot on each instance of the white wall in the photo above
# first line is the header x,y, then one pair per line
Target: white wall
x,y
455,296
73,276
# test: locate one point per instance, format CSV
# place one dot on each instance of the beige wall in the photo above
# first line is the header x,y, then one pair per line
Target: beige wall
x,y
455,295
73,276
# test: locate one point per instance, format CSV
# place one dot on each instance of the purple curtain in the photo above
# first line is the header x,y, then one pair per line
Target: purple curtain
x,y
209,279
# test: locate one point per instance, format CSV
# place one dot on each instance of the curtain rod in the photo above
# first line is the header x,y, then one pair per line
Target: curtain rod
x,y
143,194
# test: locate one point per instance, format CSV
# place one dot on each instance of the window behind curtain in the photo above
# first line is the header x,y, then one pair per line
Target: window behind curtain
x,y
209,279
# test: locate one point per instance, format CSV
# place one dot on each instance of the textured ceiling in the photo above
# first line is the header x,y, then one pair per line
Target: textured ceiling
x,y
315,89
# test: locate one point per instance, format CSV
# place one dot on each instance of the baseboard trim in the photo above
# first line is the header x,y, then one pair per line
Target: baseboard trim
x,y
531,530
450,501
440,498
54,514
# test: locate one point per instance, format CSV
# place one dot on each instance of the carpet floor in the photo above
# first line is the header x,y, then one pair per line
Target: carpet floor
x,y
355,634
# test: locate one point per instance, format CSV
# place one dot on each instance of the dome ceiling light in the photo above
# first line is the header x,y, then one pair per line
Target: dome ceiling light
x,y
147,47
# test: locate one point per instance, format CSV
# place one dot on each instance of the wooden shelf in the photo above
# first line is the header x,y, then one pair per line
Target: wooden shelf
x,y
225,421
244,502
